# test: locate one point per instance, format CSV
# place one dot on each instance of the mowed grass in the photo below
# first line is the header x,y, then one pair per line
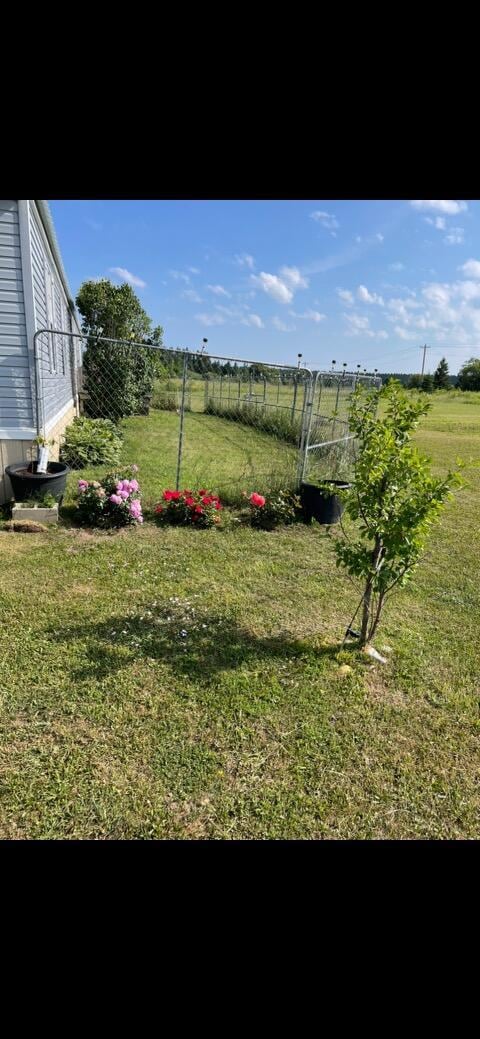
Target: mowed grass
x,y
169,684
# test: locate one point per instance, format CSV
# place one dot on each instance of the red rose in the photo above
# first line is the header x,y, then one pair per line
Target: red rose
x,y
167,495
159,508
202,492
198,509
189,502
257,499
217,505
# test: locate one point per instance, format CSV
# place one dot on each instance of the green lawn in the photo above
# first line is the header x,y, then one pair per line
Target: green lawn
x,y
169,684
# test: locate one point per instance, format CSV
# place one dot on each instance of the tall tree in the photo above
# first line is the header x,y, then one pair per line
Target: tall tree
x,y
119,376
441,380
469,375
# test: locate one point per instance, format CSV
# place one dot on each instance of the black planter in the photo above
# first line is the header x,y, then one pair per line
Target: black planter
x,y
321,504
26,483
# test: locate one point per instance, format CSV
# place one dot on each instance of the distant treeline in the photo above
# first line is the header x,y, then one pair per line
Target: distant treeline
x,y
406,377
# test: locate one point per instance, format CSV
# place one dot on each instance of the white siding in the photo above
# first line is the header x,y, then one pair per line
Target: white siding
x,y
16,409
51,310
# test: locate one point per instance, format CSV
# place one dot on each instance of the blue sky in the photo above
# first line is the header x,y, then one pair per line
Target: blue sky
x,y
364,282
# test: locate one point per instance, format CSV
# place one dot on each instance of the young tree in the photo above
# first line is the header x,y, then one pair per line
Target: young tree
x,y
441,380
118,375
469,375
415,382
394,499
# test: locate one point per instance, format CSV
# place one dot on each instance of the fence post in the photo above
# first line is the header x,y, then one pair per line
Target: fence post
x,y
335,413
295,387
206,401
305,434
182,417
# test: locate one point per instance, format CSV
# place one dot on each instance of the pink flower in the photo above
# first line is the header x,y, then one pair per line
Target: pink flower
x,y
82,485
115,499
123,494
257,499
134,485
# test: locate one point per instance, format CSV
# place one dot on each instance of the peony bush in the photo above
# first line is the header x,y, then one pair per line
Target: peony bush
x,y
189,508
111,502
273,510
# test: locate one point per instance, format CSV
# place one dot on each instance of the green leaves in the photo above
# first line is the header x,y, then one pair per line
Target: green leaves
x,y
394,499
92,442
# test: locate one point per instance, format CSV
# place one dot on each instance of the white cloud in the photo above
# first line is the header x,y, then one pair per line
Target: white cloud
x,y
402,333
368,297
309,315
281,326
437,294
359,325
254,320
194,270
273,286
358,238
218,290
346,296
125,275
245,260
292,277
180,276
379,237
456,236
210,319
192,295
396,266
327,220
450,206
439,222
471,268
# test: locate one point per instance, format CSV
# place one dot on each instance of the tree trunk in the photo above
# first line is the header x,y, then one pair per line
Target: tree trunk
x,y
377,554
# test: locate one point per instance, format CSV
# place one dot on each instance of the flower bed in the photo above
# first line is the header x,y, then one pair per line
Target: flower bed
x,y
111,502
189,508
273,510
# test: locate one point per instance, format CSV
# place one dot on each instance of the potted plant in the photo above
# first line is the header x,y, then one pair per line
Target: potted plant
x,y
320,498
321,501
36,478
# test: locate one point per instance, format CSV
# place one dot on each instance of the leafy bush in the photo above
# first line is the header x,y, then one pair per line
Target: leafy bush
x,y
90,441
111,502
189,508
273,510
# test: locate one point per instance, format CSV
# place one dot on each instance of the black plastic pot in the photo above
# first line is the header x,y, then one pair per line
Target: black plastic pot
x,y
321,504
26,483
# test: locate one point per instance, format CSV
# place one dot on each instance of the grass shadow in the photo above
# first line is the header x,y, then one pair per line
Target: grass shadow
x,y
195,648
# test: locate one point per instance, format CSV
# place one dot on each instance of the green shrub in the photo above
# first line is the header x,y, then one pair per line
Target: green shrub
x,y
273,510
90,442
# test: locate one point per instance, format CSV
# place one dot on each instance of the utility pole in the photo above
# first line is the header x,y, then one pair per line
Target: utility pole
x,y
424,348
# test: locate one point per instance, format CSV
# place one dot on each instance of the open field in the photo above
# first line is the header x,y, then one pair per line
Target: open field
x,y
168,684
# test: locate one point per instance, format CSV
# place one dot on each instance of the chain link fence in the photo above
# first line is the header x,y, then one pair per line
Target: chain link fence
x,y
192,420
